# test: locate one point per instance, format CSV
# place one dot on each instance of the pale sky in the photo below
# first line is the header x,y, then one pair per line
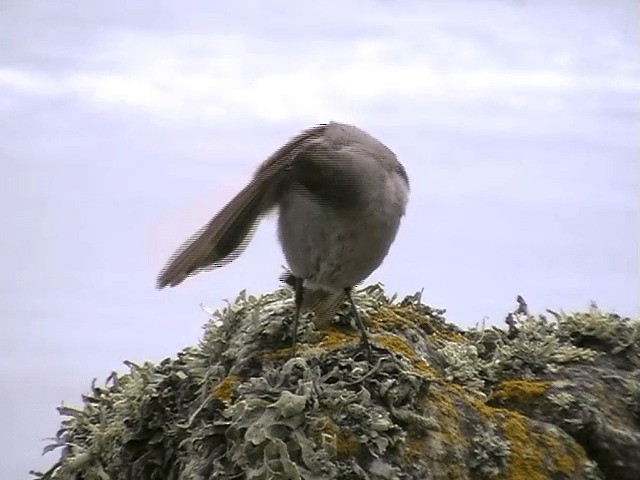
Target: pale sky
x,y
127,125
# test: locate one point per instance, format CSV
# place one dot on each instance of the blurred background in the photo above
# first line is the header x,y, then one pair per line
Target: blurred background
x,y
124,126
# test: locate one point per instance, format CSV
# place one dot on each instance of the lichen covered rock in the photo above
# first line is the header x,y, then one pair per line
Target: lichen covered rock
x,y
542,400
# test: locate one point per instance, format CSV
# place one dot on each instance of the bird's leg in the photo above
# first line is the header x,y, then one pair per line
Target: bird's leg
x,y
298,289
364,339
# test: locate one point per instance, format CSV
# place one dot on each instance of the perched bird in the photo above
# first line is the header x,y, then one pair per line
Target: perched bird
x,y
340,194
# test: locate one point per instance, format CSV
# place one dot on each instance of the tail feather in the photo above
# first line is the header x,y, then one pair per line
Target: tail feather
x,y
221,240
324,304
227,234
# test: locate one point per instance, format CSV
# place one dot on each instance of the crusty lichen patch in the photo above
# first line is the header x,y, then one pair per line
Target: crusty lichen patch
x,y
333,338
398,345
389,317
441,449
223,390
527,389
537,451
337,442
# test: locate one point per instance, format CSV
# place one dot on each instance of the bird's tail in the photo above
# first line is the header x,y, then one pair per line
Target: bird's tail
x,y
222,239
325,305
227,234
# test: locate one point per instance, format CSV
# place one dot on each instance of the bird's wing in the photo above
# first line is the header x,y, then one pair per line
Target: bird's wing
x,y
227,234
340,167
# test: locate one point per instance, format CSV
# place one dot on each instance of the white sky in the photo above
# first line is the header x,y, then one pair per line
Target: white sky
x,y
125,126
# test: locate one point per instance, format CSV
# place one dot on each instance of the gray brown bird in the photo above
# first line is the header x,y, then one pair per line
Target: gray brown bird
x,y
340,194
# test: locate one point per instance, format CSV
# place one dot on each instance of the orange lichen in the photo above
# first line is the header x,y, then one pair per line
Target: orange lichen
x,y
408,317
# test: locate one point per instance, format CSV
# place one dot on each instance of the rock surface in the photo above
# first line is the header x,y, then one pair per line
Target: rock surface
x,y
543,399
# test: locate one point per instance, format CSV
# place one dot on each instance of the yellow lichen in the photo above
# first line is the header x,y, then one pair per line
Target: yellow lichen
x,y
276,354
440,336
535,451
346,445
567,457
334,338
408,317
337,442
388,317
444,449
223,390
526,461
520,389
413,447
443,405
396,344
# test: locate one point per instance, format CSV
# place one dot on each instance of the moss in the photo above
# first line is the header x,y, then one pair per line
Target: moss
x,y
346,445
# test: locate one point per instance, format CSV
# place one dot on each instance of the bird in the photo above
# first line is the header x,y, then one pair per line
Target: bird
x,y
340,195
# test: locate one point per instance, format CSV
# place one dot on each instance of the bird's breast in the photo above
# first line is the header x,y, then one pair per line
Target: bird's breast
x,y
333,248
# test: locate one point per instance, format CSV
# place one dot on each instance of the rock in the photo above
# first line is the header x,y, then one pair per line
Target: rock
x,y
543,400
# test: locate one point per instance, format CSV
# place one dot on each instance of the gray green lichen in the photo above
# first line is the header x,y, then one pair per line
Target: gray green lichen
x,y
434,402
